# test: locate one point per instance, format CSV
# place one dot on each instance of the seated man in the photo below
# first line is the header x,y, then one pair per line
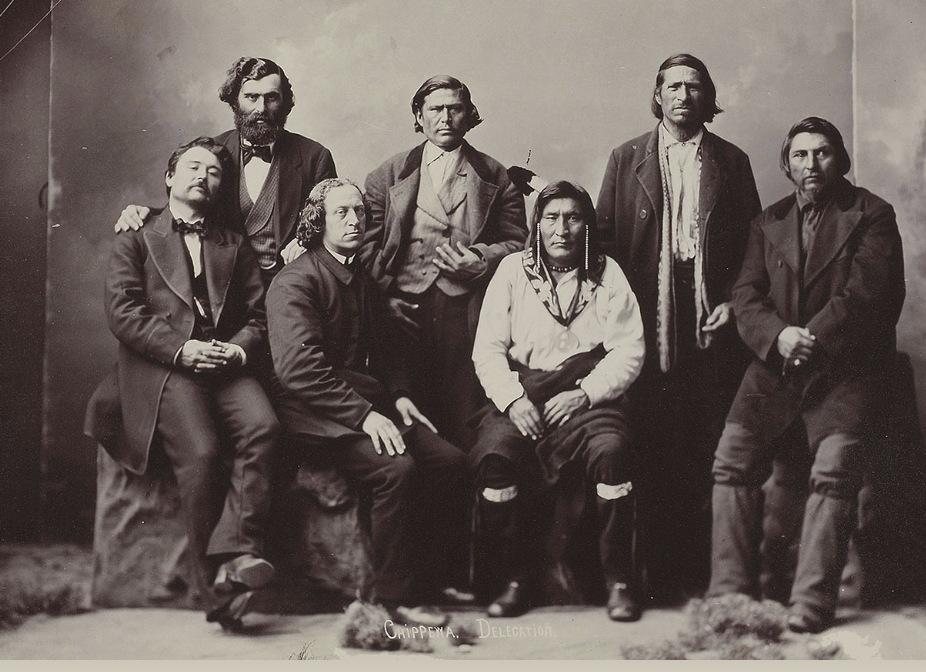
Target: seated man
x,y
185,299
817,300
343,395
559,341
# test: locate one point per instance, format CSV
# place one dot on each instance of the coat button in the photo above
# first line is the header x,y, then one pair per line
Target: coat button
x,y
779,263
643,213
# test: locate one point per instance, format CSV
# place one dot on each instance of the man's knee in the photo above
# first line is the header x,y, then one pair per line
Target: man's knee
x,y
609,459
496,480
740,458
837,469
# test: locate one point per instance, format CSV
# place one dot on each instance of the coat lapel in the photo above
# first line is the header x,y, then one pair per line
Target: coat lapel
x,y
168,252
712,181
650,179
479,196
403,195
782,233
290,189
218,264
834,230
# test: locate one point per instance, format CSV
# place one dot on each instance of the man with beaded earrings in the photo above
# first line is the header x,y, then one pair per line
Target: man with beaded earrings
x,y
559,342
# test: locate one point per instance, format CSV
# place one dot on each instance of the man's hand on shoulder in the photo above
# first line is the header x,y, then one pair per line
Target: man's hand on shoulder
x,y
132,218
461,263
384,434
409,412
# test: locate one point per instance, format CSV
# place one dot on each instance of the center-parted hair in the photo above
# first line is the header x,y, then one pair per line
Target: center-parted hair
x,y
249,67
445,82
592,264
824,128
217,148
711,109
311,226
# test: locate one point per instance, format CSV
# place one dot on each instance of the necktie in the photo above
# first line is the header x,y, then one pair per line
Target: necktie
x,y
193,227
260,151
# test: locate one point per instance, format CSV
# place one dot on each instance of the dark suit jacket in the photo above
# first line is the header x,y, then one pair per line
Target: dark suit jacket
x,y
630,218
850,297
149,304
303,164
496,206
329,349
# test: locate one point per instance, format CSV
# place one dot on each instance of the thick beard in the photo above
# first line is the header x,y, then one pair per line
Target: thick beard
x,y
259,134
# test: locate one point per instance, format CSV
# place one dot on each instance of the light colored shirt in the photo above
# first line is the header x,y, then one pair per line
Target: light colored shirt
x,y
515,324
683,160
255,174
439,162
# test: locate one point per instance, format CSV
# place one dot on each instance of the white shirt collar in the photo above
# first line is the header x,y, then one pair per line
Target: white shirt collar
x,y
666,137
340,257
432,152
188,220
251,144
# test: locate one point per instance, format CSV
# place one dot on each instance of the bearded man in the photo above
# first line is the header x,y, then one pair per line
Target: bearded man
x,y
274,170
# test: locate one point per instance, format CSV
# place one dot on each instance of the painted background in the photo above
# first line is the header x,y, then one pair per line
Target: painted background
x,y
563,82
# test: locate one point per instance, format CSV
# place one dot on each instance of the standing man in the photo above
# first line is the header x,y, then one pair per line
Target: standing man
x,y
442,217
185,299
344,396
273,169
674,211
817,301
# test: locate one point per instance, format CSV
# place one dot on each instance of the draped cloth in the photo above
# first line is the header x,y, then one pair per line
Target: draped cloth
x,y
559,445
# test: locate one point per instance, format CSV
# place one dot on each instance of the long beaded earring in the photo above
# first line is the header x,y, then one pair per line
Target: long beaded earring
x,y
586,250
537,234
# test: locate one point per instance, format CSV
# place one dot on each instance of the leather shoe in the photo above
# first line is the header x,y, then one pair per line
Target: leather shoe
x,y
430,617
621,605
229,613
245,570
802,622
513,602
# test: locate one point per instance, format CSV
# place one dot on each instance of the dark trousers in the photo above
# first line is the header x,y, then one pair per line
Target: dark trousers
x,y
680,417
202,421
438,359
415,502
513,539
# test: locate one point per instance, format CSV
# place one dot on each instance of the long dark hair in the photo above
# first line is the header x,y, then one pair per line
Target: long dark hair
x,y
593,261
711,109
824,128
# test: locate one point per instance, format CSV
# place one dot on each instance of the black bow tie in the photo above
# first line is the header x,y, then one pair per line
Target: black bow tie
x,y
194,227
260,151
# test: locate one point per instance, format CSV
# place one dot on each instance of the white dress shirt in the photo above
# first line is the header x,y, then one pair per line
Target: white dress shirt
x,y
439,163
515,324
194,246
684,180
255,173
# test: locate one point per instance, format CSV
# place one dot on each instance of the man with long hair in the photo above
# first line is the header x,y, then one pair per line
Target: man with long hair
x,y
345,399
558,344
674,211
817,302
